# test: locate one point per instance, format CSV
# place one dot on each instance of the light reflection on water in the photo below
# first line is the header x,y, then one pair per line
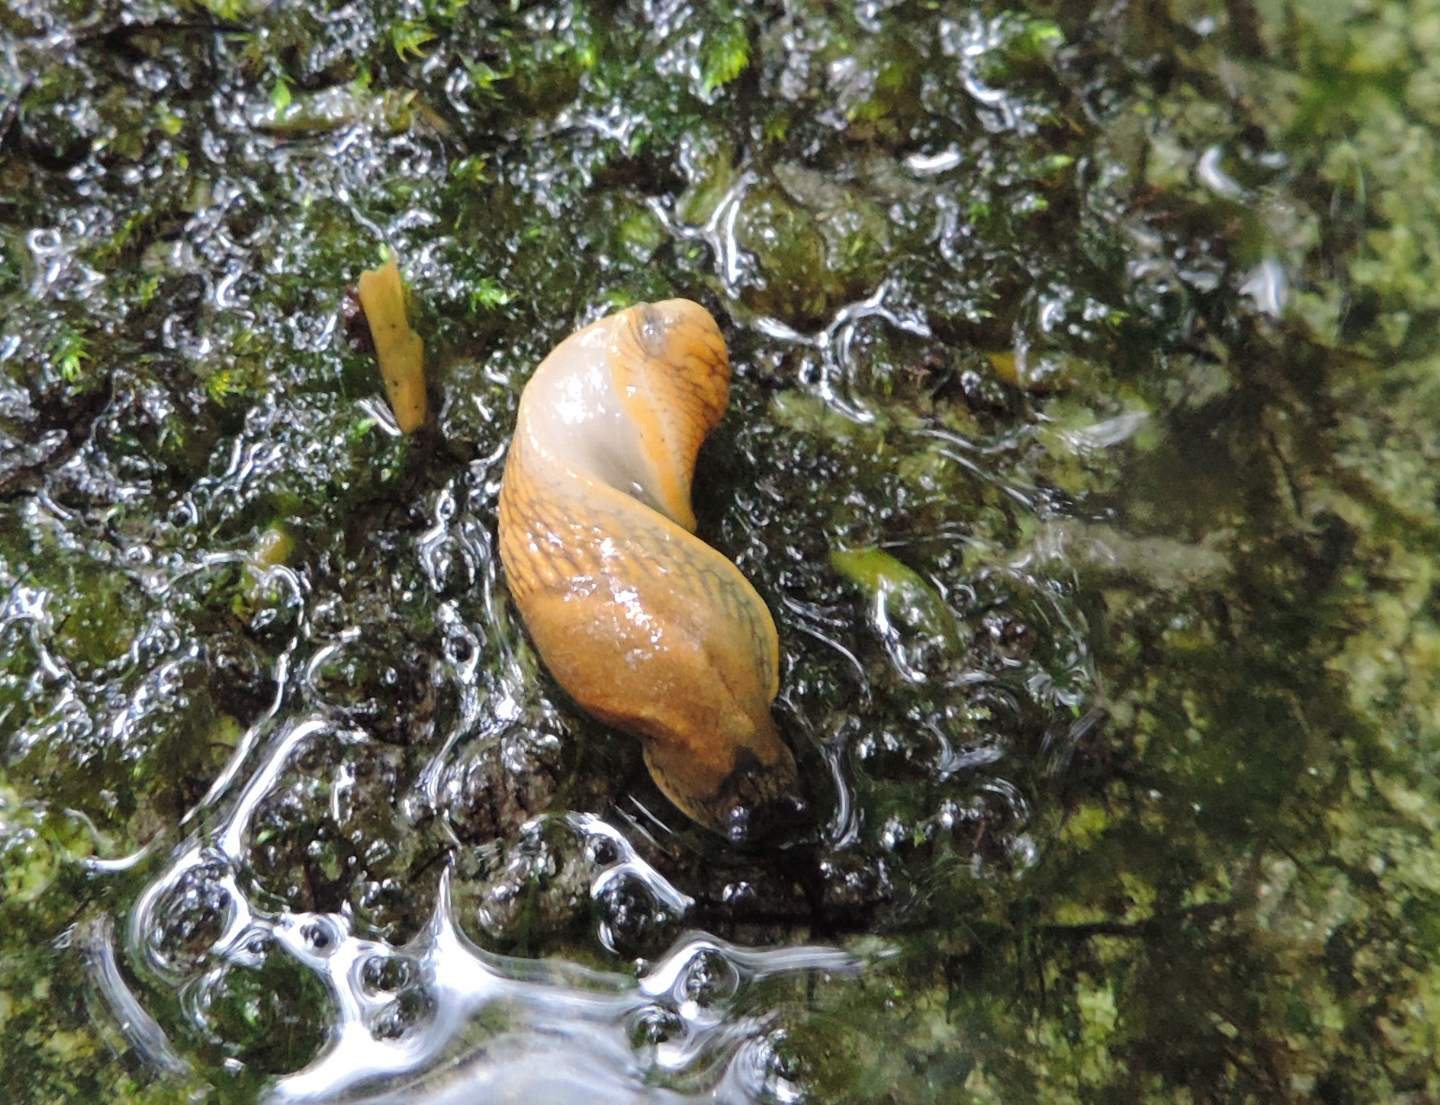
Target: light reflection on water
x,y
439,1019
463,1022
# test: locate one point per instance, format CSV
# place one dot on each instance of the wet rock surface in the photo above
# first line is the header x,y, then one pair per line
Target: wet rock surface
x,y
1081,442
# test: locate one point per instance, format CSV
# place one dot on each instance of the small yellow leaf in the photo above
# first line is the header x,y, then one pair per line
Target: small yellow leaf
x,y
400,351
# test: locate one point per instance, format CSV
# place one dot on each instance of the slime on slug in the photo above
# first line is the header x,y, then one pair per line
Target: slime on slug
x,y
644,625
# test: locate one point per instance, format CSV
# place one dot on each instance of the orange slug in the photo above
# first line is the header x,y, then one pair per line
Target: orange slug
x,y
644,625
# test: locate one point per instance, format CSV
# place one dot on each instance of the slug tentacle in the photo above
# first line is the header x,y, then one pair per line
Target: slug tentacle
x,y
648,628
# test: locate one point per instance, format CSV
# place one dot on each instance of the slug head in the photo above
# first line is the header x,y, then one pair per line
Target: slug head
x,y
671,373
763,803
679,333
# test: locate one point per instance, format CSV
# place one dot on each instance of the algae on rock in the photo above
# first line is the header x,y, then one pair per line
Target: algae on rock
x,y
1082,441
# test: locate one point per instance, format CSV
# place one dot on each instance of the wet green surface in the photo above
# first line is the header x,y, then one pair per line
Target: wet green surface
x,y
1083,443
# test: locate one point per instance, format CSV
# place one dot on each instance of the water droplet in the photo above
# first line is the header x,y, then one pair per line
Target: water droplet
x,y
386,974
408,1013
710,979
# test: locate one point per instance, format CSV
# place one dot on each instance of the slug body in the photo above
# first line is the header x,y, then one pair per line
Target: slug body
x,y
644,625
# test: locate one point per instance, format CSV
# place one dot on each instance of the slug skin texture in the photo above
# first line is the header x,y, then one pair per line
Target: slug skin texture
x,y
645,626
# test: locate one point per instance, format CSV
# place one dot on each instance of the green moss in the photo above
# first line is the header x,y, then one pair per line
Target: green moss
x,y
790,253
100,621
726,55
1103,567
879,86
409,38
272,1015
70,352
707,159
